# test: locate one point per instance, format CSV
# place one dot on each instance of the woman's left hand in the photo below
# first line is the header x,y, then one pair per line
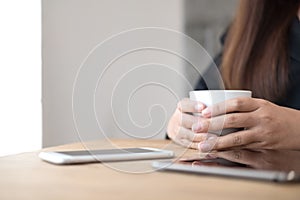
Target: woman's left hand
x,y
267,126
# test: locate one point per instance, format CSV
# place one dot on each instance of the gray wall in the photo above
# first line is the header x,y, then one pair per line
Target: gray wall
x,y
123,101
206,20
71,29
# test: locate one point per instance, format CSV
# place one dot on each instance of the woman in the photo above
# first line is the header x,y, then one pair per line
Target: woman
x,y
261,54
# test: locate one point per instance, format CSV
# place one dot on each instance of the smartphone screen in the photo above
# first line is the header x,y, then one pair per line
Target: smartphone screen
x,y
106,152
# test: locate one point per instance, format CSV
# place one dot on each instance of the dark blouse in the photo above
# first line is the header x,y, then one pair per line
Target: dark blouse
x,y
292,99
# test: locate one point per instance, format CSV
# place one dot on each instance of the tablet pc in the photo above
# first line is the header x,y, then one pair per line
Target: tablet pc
x,y
277,166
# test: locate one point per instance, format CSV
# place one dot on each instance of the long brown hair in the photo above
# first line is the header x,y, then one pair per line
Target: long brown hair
x,y
256,53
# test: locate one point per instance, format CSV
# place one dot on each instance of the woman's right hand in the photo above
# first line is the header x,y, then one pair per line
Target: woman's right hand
x,y
183,122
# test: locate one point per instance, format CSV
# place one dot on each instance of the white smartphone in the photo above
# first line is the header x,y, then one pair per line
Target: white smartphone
x,y
105,155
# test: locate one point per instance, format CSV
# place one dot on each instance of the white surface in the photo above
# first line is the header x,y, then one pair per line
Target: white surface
x,y
211,97
20,76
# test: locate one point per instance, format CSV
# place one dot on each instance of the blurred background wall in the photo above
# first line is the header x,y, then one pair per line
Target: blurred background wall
x,y
72,28
206,21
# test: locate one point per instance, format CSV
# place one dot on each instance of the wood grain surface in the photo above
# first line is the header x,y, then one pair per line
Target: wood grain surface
x,y
25,176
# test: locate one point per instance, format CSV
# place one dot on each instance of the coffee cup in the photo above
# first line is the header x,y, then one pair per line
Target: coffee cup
x,y
212,97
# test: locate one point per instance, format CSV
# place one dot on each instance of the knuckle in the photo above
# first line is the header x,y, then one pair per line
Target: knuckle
x,y
265,145
188,121
231,120
263,102
205,125
179,106
181,103
237,140
266,118
237,154
219,108
250,120
257,132
237,103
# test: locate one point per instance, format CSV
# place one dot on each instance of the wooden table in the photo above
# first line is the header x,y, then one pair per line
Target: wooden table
x,y
25,176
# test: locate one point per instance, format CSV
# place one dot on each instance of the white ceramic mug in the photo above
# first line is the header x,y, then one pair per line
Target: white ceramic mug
x,y
211,97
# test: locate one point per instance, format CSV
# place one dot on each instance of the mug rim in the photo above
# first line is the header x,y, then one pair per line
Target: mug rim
x,y
226,91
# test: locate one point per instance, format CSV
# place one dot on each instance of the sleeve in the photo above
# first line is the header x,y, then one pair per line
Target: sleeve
x,y
211,76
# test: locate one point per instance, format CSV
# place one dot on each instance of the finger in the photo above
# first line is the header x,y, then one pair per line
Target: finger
x,y
189,135
187,120
187,143
193,145
188,106
233,120
236,139
232,105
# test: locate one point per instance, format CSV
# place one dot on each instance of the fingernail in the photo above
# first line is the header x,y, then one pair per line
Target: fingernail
x,y
211,137
196,127
206,112
198,107
204,147
211,156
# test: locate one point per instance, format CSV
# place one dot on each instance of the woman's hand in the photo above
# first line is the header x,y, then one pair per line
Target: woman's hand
x,y
182,121
267,126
